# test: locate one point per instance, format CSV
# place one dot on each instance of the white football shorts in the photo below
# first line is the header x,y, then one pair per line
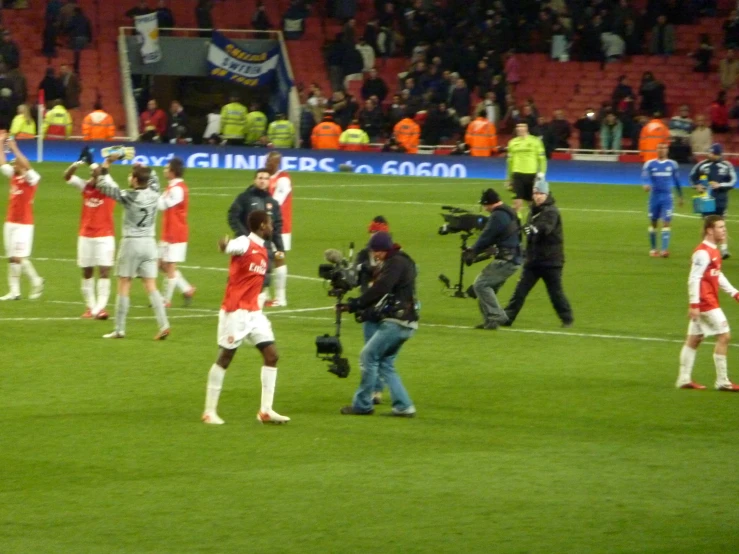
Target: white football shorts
x,y
172,252
710,323
95,251
18,240
236,327
287,241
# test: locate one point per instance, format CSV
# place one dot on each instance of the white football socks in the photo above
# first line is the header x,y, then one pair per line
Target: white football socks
x,y
88,293
157,303
216,375
722,372
182,283
269,378
171,285
687,360
103,288
14,278
280,277
30,271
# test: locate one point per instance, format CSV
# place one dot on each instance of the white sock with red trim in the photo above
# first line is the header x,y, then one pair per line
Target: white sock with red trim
x,y
269,379
687,360
88,292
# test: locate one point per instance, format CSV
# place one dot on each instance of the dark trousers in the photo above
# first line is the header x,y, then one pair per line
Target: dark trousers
x,y
552,277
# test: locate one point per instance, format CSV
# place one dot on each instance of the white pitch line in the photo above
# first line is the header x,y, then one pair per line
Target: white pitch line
x,y
535,332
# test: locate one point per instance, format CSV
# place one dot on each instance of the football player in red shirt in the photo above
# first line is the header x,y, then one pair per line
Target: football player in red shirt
x,y
706,316
241,319
95,243
174,204
281,189
18,228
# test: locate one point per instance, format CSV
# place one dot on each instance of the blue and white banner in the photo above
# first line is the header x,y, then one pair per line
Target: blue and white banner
x,y
233,63
330,161
148,34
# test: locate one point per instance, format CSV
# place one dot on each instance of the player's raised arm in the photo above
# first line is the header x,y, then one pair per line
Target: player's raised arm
x,y
3,157
108,186
21,159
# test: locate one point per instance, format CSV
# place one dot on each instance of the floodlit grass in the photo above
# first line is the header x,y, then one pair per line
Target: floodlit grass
x,y
530,439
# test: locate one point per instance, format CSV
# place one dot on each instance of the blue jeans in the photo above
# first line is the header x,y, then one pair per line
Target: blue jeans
x,y
368,329
378,356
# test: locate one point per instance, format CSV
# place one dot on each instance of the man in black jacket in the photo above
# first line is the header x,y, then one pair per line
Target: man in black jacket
x,y
254,198
390,301
544,256
501,237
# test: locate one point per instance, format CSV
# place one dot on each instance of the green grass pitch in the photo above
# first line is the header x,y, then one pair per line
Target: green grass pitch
x,y
532,439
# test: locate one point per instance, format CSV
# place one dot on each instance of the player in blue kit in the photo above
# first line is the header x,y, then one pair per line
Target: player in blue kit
x,y
659,176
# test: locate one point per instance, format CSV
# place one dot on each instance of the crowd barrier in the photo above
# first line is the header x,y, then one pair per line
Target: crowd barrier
x,y
332,161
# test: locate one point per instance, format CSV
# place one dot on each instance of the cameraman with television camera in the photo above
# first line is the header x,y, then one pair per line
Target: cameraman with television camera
x,y
390,302
502,237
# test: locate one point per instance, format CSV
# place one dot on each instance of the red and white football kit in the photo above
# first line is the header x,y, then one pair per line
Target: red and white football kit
x,y
281,189
18,228
174,203
703,285
240,317
96,241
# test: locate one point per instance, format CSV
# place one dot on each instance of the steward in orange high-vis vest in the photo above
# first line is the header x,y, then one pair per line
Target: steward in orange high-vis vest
x,y
653,134
481,137
326,134
407,132
98,125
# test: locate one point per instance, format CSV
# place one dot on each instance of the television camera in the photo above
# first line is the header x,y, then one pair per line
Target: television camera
x,y
459,220
343,275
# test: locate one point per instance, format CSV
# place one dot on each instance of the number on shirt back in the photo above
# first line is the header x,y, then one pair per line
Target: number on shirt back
x,y
143,222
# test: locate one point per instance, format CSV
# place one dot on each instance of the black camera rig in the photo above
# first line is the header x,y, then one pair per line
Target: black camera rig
x,y
342,275
459,220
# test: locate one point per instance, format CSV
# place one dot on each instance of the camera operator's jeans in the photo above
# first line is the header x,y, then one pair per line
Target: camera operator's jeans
x,y
368,329
486,286
378,357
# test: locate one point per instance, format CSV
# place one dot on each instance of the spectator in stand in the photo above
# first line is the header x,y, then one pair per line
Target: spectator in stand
x,y
23,125
720,114
212,135
611,133
307,122
588,127
354,139
53,10
663,38
487,104
98,124
701,138
703,55
481,136
734,111
204,17
9,51
52,86
527,116
352,65
731,31
152,123
165,18
80,35
367,53
459,99
512,70
439,125
653,134
326,134
393,146
408,133
396,112
681,125
72,87
728,70
316,102
293,20
652,94
51,31
544,130
560,130
342,107
18,84
65,15
613,47
178,125
260,21
371,119
633,37
142,8
57,122
374,86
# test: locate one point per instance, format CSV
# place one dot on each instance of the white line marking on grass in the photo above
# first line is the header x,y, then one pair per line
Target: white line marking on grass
x,y
194,267
535,332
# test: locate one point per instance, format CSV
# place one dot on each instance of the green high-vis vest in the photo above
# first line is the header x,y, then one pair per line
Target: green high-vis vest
x,y
256,126
281,134
233,121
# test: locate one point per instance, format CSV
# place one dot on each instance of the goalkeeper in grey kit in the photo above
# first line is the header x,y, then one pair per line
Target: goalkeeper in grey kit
x,y
138,254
